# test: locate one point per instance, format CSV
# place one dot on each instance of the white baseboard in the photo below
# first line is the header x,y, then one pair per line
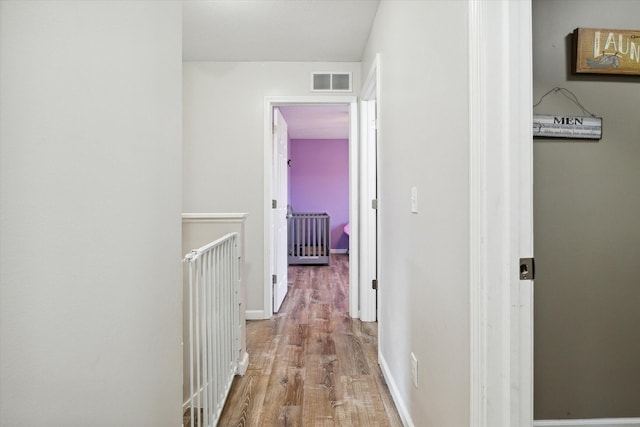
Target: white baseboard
x,y
240,370
254,314
395,393
339,251
243,364
187,404
598,422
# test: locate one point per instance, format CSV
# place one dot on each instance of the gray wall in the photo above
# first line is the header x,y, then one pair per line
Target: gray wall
x,y
587,230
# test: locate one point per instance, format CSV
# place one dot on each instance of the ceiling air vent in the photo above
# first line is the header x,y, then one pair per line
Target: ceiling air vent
x,y
331,82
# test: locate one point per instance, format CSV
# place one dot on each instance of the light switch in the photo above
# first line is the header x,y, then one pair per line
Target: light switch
x,y
414,199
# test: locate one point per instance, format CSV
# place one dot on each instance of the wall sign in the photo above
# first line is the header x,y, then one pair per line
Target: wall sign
x,y
602,51
567,127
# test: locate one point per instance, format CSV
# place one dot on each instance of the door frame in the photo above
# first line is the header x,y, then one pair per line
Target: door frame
x,y
370,232
501,213
276,101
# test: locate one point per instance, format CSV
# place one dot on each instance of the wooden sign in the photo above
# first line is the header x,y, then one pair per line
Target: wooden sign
x,y
567,127
602,51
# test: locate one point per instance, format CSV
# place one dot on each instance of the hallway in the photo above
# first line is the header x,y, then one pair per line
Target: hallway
x,y
311,364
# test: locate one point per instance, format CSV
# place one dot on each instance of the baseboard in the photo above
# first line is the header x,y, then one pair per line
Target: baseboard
x,y
254,314
339,251
243,364
186,405
395,393
241,368
591,422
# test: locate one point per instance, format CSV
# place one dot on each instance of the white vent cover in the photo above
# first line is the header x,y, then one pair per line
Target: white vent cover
x,y
330,82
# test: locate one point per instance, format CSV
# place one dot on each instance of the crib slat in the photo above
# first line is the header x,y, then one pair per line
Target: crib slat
x,y
309,239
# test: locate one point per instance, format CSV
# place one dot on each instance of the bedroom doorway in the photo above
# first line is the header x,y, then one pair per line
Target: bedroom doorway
x,y
318,177
345,232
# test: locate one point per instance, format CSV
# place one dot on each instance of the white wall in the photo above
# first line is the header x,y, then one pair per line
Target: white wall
x,y
90,198
223,115
424,142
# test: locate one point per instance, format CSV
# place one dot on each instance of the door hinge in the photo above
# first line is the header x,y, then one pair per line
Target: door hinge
x,y
527,268
273,128
274,279
374,284
374,204
274,204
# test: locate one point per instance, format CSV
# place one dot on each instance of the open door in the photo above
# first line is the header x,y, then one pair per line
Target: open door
x,y
369,213
279,211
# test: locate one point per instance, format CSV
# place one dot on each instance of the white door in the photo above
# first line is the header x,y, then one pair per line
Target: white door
x,y
369,213
279,211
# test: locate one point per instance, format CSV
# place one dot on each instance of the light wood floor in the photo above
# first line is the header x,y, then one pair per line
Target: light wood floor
x,y
311,364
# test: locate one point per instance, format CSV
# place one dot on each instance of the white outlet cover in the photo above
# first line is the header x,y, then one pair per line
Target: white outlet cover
x,y
414,370
414,199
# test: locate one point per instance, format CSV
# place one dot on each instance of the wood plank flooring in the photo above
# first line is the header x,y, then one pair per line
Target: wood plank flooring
x,y
311,364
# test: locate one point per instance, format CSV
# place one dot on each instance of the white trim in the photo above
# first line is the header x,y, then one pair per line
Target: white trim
x,y
405,416
352,101
368,175
243,364
186,404
255,315
600,422
339,251
214,217
520,139
354,211
522,207
478,214
501,311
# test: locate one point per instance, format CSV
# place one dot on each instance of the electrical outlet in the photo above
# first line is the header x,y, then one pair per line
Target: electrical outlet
x,y
414,370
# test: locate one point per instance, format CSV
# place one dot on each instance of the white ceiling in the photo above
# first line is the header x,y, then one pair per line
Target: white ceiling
x,y
276,30
317,121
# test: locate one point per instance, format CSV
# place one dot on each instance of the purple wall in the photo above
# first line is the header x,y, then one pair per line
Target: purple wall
x,y
319,182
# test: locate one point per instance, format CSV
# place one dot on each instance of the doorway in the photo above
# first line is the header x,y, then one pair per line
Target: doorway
x,y
318,169
350,102
587,239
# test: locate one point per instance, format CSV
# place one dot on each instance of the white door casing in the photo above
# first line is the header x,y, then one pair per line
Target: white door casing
x,y
369,224
279,211
501,213
269,104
